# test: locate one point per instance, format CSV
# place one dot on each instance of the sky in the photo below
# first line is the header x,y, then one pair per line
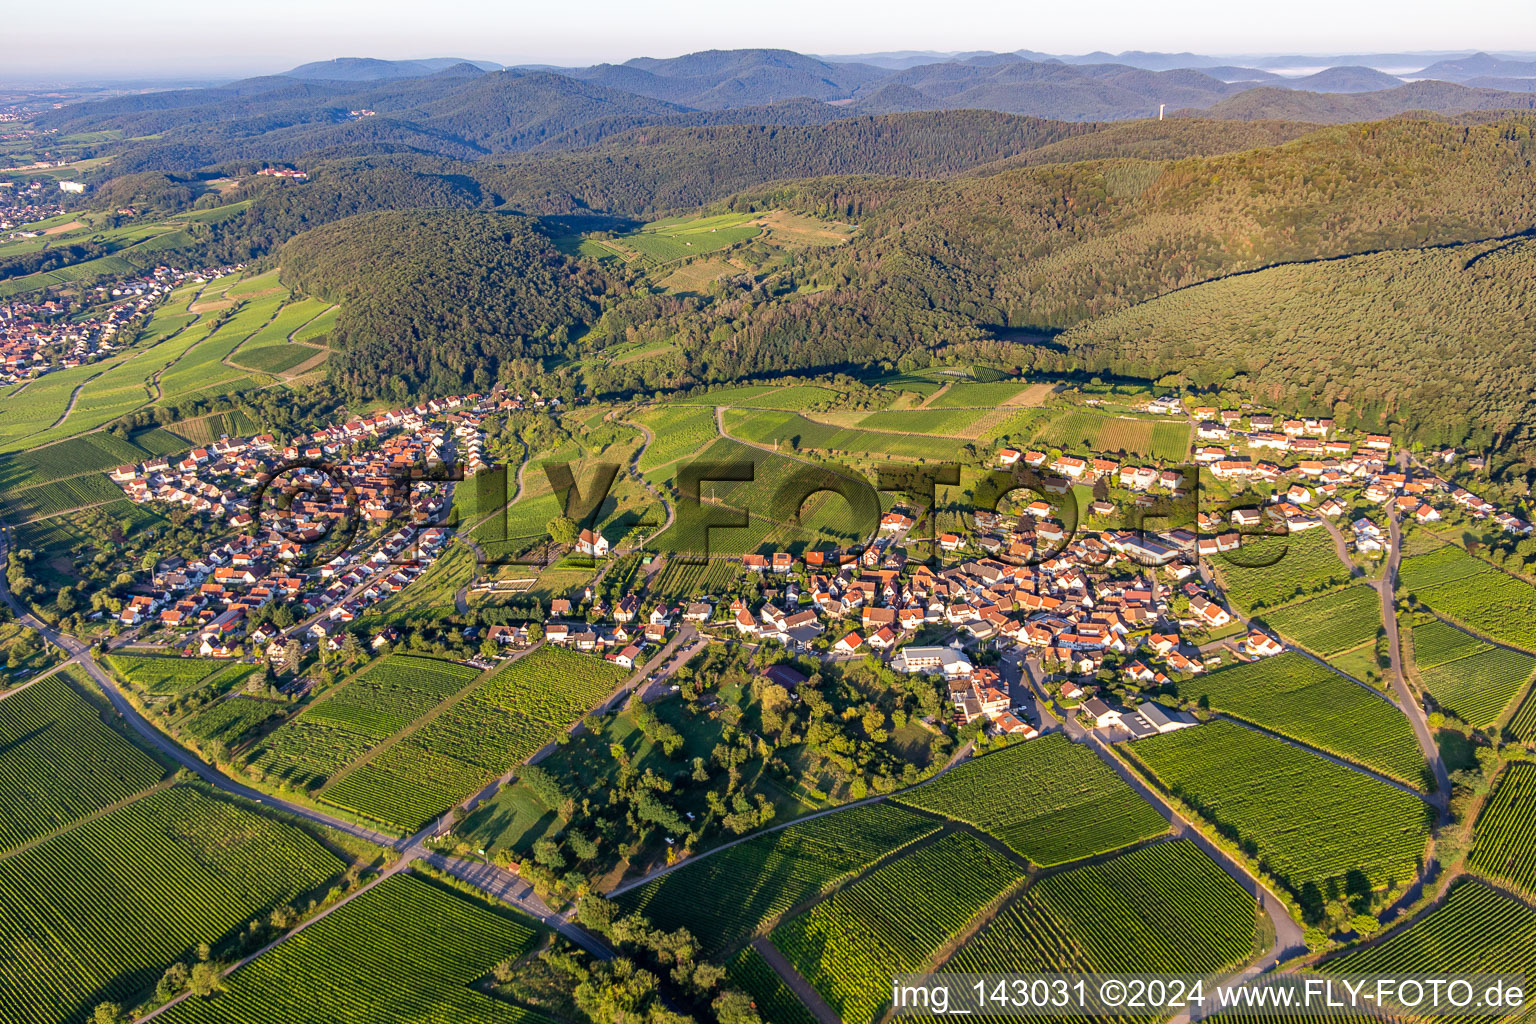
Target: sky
x,y
98,39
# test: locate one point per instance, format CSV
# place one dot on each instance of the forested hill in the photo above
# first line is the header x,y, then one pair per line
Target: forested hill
x,y
1051,246
436,301
1435,340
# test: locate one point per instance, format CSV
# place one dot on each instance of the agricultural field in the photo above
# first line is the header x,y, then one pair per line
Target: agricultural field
x,y
50,499
1470,678
60,762
1473,593
89,453
1308,821
970,394
345,723
1306,563
340,972
269,350
892,921
679,581
1475,930
748,972
152,879
154,673
953,422
233,721
678,431
1506,829
676,238
1523,725
1165,908
314,332
1331,624
1294,696
500,723
793,398
791,432
1084,432
1050,800
737,892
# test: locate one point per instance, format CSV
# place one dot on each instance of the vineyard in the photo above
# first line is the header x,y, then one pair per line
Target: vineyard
x,y
1084,432
893,921
748,972
1332,624
232,721
680,581
1506,830
59,496
1166,908
1304,818
90,453
1304,563
792,431
736,892
407,945
97,912
1476,930
980,394
1523,725
1050,800
1294,696
677,431
493,727
58,762
385,698
1474,593
1470,678
953,422
158,674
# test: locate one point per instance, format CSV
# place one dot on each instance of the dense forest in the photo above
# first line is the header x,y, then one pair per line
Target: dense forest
x,y
435,302
1422,338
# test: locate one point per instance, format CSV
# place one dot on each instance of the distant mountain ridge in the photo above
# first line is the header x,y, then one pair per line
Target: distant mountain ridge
x,y
356,106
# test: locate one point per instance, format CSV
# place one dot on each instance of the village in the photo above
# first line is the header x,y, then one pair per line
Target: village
x,y
41,337
1015,605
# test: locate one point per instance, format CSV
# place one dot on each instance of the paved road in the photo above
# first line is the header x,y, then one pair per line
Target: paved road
x,y
1387,588
513,890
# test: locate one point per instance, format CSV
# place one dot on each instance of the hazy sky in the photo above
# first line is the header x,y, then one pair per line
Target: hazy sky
x,y
196,38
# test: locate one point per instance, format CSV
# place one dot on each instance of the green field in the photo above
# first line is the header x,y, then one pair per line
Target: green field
x,y
233,721
97,913
791,431
60,763
775,1002
1085,433
732,894
953,422
64,495
979,395
678,431
347,722
1294,696
1472,592
1472,679
893,921
675,238
1331,624
1307,821
1506,830
504,720
1050,800
1166,908
269,349
1304,563
156,673
86,454
407,949
1476,930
